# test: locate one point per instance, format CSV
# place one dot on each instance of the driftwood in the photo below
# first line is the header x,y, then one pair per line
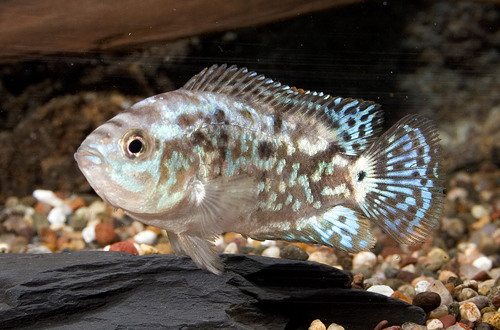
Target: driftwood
x,y
114,290
35,27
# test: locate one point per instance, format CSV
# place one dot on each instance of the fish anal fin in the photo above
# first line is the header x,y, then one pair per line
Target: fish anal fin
x,y
339,227
401,189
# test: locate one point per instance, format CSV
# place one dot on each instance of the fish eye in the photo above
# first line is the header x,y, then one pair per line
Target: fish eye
x,y
134,144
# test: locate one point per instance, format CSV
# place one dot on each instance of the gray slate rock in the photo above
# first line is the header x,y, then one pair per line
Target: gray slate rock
x,y
114,290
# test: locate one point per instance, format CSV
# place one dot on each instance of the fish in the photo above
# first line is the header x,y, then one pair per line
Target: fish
x,y
234,151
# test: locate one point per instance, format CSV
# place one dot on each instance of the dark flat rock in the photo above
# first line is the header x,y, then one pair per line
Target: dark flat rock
x,y
113,290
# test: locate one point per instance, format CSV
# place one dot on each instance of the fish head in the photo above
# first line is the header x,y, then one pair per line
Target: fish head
x,y
123,160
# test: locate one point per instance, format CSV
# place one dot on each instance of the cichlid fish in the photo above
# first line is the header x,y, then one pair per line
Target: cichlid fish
x,y
233,151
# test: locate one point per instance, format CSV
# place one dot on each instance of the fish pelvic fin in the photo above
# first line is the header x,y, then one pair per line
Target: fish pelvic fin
x,y
397,180
201,251
212,203
219,201
339,227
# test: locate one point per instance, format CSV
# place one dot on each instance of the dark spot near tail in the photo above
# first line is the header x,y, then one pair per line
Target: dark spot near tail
x,y
278,123
421,151
365,117
420,162
361,176
220,116
351,122
423,182
412,134
415,174
265,150
346,137
361,131
356,146
342,219
334,125
399,167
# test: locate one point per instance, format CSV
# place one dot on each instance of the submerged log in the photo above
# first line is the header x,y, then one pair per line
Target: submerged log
x,y
114,290
52,26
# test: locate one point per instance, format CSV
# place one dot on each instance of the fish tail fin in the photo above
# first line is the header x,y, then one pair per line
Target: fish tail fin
x,y
397,180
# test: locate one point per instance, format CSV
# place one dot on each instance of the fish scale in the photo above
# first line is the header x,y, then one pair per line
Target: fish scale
x,y
234,151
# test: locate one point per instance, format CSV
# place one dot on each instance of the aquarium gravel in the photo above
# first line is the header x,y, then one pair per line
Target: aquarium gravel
x,y
453,276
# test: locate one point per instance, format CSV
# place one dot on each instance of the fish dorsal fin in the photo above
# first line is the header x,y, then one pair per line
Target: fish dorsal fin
x,y
353,123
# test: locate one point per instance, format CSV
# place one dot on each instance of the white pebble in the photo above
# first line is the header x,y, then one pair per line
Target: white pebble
x,y
317,325
57,215
434,324
413,326
364,259
422,286
145,237
48,197
335,326
4,248
479,211
381,289
272,251
231,248
323,257
88,234
97,207
483,263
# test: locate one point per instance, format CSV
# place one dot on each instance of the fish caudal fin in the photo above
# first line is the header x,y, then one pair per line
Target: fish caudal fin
x,y
339,227
397,182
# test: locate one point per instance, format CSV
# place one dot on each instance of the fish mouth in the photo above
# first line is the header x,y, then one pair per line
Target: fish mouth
x,y
88,158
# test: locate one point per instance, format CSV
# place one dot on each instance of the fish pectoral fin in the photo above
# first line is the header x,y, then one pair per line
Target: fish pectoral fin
x,y
398,180
201,250
221,201
339,227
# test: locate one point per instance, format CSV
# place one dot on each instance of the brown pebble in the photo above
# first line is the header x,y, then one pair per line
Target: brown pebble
x,y
496,302
26,233
481,276
124,246
164,248
49,237
77,203
448,320
358,279
394,327
105,234
42,208
381,325
390,250
405,276
450,287
428,301
401,296
408,261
